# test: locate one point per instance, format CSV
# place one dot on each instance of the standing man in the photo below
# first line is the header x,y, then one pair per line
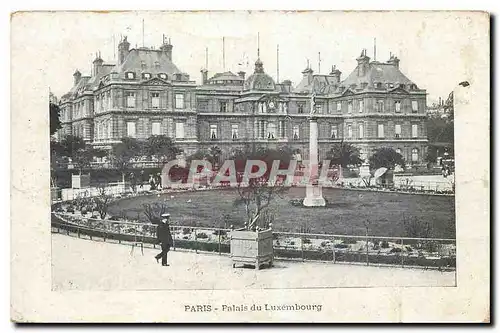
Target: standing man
x,y
142,179
164,238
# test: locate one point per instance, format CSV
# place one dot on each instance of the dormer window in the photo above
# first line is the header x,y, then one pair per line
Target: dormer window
x,y
162,76
146,76
390,85
157,64
402,86
130,75
379,85
178,77
143,65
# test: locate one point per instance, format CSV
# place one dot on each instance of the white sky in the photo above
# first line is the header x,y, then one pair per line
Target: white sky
x,y
434,48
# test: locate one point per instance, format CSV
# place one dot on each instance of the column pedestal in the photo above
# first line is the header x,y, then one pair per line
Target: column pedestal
x,y
314,193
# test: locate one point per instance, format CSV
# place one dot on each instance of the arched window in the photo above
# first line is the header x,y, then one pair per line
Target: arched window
x,y
414,155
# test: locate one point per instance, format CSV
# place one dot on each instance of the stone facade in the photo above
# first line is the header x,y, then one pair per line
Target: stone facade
x,y
146,94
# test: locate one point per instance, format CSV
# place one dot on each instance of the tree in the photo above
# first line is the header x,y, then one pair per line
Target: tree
x,y
154,211
55,122
344,154
123,152
162,147
214,154
78,150
387,158
258,194
102,201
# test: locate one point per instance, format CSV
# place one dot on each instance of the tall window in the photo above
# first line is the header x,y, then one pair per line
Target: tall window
x,y
301,108
155,128
339,106
414,106
131,129
414,155
349,131
381,130
155,100
179,101
108,98
349,106
179,130
234,132
397,131
361,105
271,131
360,131
109,130
380,105
261,129
223,106
281,129
296,134
397,105
334,132
131,99
319,108
414,130
213,132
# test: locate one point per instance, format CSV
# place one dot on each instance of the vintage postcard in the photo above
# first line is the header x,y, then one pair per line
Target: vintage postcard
x,y
250,166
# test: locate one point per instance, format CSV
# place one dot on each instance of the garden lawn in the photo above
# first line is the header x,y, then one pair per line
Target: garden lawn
x,y
346,213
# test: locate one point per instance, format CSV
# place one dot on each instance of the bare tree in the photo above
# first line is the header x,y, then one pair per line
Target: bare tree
x,y
102,201
256,197
154,211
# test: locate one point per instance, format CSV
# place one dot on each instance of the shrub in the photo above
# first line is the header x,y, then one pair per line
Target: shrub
x,y
306,241
341,246
70,209
220,232
202,235
186,231
349,241
384,245
395,250
185,237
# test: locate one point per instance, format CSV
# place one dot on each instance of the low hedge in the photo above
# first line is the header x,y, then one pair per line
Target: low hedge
x,y
341,255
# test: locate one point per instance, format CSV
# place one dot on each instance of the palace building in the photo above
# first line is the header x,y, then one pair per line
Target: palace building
x,y
146,94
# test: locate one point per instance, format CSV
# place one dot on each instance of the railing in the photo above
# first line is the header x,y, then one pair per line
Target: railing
x,y
430,253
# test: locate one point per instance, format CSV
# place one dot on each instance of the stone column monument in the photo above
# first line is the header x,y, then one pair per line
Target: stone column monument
x,y
314,195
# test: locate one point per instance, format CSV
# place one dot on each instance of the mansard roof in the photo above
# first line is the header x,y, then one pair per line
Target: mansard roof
x,y
147,60
225,76
376,72
81,85
319,83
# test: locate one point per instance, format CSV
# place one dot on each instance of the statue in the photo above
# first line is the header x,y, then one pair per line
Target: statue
x,y
313,103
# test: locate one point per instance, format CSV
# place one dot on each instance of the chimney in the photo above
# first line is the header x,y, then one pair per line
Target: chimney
x,y
363,63
97,64
241,74
123,49
287,84
439,101
167,47
77,76
204,76
308,74
393,60
335,73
